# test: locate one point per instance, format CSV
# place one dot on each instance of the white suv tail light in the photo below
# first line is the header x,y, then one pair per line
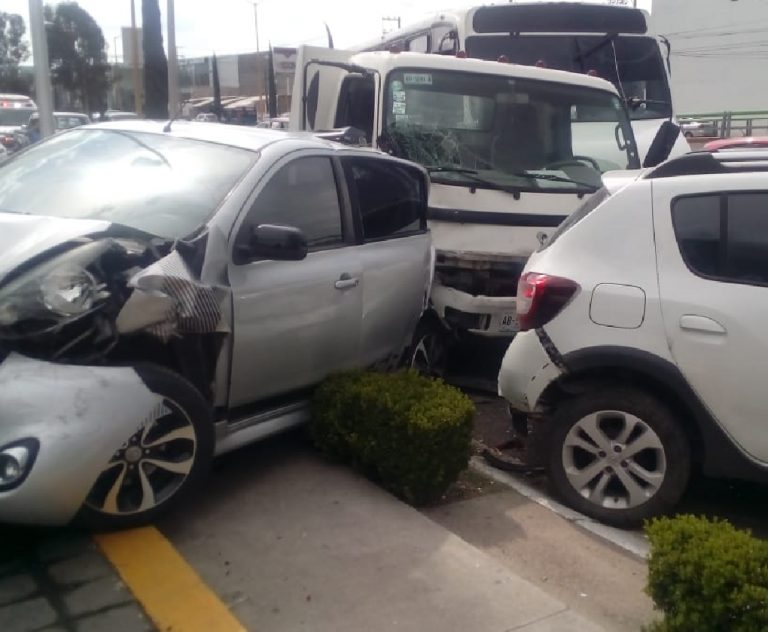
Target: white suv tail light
x,y
541,297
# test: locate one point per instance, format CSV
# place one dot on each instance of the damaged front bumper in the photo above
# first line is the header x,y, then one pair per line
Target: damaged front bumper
x,y
482,315
76,417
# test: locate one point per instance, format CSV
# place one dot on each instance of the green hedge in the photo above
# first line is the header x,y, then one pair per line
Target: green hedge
x,y
707,576
410,433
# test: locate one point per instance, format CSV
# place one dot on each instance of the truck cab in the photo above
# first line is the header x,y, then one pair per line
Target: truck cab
x,y
511,152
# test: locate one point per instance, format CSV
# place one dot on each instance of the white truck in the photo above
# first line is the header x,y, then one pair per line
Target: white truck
x,y
511,151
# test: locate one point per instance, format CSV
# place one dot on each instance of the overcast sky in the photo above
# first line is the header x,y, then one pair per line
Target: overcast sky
x,y
227,26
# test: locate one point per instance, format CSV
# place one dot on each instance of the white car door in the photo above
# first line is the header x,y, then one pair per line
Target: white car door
x,y
295,322
712,254
389,199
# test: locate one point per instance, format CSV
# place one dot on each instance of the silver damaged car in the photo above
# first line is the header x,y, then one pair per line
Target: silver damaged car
x,y
172,292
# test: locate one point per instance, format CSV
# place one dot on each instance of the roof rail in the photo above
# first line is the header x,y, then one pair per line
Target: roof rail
x,y
705,163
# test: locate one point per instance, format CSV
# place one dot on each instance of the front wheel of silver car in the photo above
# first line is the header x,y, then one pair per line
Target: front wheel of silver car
x,y
618,455
159,463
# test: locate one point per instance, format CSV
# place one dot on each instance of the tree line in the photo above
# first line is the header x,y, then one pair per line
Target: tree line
x,y
77,54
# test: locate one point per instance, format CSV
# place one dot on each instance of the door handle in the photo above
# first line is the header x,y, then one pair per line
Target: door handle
x,y
346,281
692,322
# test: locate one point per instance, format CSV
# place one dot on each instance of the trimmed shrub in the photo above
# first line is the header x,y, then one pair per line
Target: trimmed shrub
x,y
410,433
706,575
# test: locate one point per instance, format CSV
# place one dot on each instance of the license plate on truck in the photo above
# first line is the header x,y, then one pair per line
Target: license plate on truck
x,y
506,322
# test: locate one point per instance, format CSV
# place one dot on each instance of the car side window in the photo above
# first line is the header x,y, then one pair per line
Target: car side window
x,y
724,236
302,194
389,198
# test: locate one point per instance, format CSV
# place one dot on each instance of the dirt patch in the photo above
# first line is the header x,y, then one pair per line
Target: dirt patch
x,y
470,485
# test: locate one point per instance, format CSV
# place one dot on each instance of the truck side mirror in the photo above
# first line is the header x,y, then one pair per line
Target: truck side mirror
x,y
662,144
277,243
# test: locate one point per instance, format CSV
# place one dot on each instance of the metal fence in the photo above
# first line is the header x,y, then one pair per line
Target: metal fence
x,y
725,124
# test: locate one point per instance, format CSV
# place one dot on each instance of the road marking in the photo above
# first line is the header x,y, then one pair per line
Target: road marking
x,y
632,541
169,590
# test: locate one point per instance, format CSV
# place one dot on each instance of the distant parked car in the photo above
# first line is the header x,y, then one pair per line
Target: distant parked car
x,y
170,294
62,120
281,122
643,351
698,129
117,115
15,110
207,117
739,142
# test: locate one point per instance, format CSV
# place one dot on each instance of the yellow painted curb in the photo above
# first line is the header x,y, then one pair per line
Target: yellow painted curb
x,y
169,590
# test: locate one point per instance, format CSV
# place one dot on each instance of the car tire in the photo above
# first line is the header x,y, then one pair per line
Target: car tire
x,y
180,436
618,455
428,353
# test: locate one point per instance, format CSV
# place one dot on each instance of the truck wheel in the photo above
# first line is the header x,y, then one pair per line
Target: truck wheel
x,y
618,456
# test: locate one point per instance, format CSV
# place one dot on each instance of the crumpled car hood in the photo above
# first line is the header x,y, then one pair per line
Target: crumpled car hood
x,y
23,237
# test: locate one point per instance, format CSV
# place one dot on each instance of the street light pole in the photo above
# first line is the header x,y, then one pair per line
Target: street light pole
x,y
173,63
137,100
43,90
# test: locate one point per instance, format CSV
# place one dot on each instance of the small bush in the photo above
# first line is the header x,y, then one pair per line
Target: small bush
x,y
707,576
410,433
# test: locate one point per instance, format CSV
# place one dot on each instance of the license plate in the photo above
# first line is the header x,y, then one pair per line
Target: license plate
x,y
508,322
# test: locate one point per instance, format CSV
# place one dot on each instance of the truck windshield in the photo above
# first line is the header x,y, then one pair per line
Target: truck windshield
x,y
637,67
491,131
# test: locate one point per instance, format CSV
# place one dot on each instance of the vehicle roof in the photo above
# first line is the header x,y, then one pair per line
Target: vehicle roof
x,y
740,142
251,138
385,61
741,160
36,114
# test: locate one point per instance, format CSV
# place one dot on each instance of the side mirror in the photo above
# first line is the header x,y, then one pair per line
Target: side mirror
x,y
278,243
662,144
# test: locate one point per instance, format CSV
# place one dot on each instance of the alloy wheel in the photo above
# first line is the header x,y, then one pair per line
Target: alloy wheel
x,y
614,459
150,467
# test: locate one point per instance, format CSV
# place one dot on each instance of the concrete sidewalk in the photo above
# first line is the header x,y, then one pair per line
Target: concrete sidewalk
x,y
291,542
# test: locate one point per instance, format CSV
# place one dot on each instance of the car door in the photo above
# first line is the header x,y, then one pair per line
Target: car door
x,y
295,321
712,253
389,199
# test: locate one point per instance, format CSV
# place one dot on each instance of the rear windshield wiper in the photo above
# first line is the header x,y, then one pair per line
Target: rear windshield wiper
x,y
552,177
474,175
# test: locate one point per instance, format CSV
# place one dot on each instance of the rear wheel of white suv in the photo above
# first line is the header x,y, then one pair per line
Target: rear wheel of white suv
x,y
618,455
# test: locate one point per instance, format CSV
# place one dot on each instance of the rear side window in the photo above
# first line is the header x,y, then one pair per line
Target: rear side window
x,y
389,198
724,236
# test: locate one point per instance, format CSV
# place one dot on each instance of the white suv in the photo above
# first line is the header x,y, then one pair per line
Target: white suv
x,y
643,351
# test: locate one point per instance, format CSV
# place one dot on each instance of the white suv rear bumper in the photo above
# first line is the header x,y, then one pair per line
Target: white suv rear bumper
x,y
525,372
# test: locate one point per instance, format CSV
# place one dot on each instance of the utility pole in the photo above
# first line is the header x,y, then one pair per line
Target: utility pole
x,y
173,63
44,92
137,100
256,23
385,20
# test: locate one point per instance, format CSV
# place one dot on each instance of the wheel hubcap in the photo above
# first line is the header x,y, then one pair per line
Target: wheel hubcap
x,y
614,459
150,467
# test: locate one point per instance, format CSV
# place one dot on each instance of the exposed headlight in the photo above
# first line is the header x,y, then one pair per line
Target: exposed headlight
x,y
16,460
55,292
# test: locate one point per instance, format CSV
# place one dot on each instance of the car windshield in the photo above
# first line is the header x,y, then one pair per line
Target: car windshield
x,y
15,117
512,134
637,67
163,185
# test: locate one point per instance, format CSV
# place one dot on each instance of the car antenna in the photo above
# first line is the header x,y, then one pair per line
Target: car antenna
x,y
177,114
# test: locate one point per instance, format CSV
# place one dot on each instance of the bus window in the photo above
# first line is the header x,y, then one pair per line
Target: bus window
x,y
419,44
638,60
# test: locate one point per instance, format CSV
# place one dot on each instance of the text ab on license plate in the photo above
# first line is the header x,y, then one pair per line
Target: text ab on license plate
x,y
507,322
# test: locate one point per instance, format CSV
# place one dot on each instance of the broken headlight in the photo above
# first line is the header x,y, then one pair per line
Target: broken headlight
x,y
53,293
